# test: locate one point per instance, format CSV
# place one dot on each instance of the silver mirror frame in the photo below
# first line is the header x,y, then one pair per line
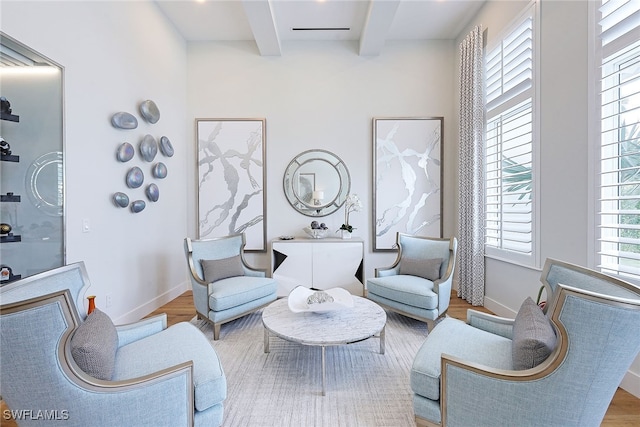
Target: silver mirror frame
x,y
335,202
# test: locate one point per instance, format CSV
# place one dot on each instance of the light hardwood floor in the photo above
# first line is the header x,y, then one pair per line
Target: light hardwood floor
x,y
624,410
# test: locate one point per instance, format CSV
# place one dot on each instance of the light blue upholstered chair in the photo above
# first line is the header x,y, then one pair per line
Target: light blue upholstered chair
x,y
161,376
418,284
234,289
464,374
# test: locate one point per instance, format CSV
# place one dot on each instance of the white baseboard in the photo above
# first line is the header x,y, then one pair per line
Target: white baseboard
x,y
631,383
143,310
499,309
631,380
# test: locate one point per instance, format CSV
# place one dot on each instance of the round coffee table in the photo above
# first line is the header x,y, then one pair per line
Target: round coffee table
x,y
349,325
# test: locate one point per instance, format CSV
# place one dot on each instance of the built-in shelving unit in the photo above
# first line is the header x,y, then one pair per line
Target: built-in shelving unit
x,y
10,198
9,158
32,183
9,117
10,238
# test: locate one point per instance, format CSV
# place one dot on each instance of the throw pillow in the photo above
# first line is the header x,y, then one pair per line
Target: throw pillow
x,y
427,268
533,336
218,269
94,345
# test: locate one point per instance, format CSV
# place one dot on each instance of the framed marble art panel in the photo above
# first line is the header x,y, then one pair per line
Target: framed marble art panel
x,y
231,179
407,179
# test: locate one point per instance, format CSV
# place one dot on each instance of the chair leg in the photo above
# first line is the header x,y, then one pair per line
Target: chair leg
x,y
430,324
421,422
216,331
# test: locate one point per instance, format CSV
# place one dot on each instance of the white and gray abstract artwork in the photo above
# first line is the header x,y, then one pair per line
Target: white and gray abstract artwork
x,y
408,175
231,178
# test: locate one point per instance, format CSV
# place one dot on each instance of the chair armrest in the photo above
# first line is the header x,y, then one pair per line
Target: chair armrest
x,y
443,290
134,331
254,272
167,397
388,271
488,322
504,390
249,270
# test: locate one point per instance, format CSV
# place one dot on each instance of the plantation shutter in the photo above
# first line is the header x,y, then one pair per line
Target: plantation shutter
x,y
509,144
619,196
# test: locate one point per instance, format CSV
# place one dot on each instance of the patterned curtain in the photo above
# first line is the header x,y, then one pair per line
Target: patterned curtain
x,y
471,170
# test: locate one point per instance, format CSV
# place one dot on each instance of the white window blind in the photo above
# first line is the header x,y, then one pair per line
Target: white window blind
x,y
619,195
509,213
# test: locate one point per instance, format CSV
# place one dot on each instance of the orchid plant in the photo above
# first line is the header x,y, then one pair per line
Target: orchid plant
x,y
353,204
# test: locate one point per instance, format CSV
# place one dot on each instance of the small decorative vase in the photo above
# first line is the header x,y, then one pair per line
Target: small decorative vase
x,y
345,234
92,304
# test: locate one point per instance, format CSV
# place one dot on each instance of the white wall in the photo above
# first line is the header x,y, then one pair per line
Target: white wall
x,y
563,173
115,55
323,95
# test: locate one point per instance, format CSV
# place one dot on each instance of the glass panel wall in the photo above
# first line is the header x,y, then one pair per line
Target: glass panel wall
x,y
31,162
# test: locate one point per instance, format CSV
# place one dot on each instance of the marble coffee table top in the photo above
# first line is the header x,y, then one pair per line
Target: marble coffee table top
x,y
348,325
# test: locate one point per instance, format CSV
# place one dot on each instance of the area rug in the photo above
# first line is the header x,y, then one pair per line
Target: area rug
x,y
284,387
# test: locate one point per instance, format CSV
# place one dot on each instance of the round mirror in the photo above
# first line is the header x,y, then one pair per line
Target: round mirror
x,y
316,183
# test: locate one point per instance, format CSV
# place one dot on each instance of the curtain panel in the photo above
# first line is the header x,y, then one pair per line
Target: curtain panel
x,y
471,174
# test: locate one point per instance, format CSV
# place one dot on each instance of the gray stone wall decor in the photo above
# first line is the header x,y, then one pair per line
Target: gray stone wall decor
x,y
148,148
149,111
124,120
125,152
121,200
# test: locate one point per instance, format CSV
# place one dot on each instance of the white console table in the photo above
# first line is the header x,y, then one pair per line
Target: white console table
x,y
318,264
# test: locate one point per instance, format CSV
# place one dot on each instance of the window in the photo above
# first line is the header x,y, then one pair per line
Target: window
x,y
509,149
618,213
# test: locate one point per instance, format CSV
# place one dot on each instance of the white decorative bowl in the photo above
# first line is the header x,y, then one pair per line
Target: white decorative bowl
x,y
316,233
298,300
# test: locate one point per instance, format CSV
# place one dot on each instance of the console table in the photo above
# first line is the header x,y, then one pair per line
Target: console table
x,y
318,264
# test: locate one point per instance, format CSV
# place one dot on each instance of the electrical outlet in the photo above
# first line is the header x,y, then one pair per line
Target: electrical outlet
x,y
107,301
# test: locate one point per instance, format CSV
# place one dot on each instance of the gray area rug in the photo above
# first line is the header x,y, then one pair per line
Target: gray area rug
x,y
284,387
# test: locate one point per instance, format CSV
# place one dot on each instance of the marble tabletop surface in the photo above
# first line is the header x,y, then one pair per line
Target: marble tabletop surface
x,y
348,325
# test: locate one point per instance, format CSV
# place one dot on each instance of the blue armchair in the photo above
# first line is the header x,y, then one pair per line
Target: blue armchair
x,y
471,373
161,376
224,286
418,284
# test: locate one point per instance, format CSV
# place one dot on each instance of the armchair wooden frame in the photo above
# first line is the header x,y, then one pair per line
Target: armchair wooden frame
x,y
447,277
454,367
122,393
197,280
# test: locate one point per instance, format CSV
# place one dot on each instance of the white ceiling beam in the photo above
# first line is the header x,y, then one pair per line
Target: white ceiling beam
x,y
263,26
379,19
